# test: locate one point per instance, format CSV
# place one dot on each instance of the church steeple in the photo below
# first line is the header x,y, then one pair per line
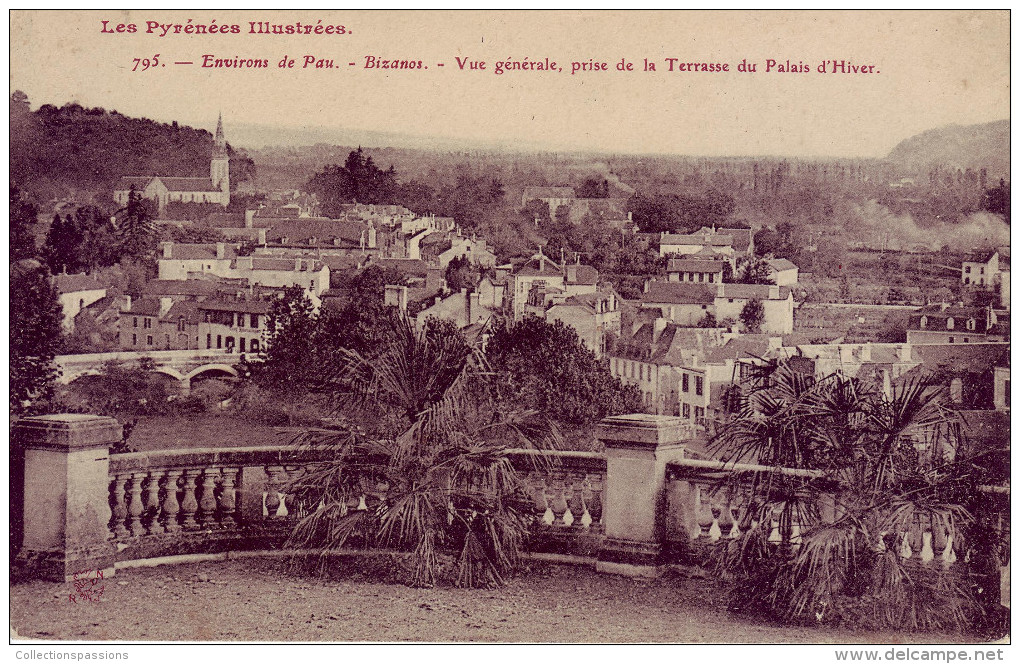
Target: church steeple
x,y
220,142
219,167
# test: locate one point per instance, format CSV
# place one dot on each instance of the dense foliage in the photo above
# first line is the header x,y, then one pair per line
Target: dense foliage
x,y
55,151
826,547
35,315
421,443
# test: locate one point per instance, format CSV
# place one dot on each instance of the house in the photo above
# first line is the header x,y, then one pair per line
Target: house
x,y
695,270
703,242
462,309
553,196
980,269
685,304
542,272
777,302
783,272
76,292
941,324
233,325
168,189
594,316
180,261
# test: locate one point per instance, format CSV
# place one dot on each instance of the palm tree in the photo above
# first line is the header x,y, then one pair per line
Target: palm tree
x,y
421,459
864,473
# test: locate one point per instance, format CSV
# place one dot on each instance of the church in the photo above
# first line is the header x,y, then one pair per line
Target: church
x,y
167,189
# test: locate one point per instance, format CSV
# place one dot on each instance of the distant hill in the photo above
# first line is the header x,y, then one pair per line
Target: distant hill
x,y
81,152
957,146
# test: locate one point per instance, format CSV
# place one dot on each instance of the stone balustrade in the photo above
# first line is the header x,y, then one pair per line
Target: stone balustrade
x,y
639,505
707,504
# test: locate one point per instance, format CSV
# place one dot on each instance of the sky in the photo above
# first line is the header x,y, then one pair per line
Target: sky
x,y
928,69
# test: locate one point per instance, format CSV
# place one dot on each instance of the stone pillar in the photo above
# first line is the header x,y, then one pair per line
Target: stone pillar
x,y
66,498
637,450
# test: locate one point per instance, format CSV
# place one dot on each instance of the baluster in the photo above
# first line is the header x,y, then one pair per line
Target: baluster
x,y
715,530
586,518
735,506
119,507
170,505
559,500
595,499
271,496
572,497
905,549
152,503
135,506
703,512
725,518
949,555
227,497
916,537
207,504
189,504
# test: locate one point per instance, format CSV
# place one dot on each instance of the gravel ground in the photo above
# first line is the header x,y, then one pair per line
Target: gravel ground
x,y
262,600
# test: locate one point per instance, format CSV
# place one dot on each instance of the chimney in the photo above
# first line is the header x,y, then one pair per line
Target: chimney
x,y
164,305
865,352
474,308
658,328
262,237
903,352
371,236
126,303
572,273
249,218
297,264
168,249
773,292
630,216
846,353
221,250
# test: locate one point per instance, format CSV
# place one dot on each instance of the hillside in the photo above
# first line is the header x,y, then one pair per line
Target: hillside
x,y
82,152
957,146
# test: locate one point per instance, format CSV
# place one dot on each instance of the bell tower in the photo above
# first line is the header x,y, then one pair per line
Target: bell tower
x,y
219,168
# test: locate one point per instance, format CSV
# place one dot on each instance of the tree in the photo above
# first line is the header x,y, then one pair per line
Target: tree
x,y
708,320
753,315
593,188
854,471
422,440
754,270
359,180
549,369
460,273
36,317
23,217
136,228
288,357
997,200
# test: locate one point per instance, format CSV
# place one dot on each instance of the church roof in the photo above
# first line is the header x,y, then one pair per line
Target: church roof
x,y
140,182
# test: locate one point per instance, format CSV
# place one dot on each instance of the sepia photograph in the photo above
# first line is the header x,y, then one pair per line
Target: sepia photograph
x,y
510,327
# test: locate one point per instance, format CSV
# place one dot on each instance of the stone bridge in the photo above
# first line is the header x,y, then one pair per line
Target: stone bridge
x,y
180,365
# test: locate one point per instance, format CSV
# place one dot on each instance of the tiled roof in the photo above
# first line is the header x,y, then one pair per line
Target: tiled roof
x,y
144,307
321,228
665,292
158,287
980,256
185,309
199,252
188,184
585,275
741,237
410,266
974,358
73,283
700,238
245,306
780,264
693,265
286,264
754,291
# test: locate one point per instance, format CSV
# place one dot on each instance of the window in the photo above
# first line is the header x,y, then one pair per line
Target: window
x,y
242,344
180,324
254,345
81,304
966,270
699,412
684,385
924,322
950,323
147,323
168,340
208,341
219,341
950,339
134,339
699,385
240,320
311,284
966,340
971,324
255,321
135,322
687,410
148,340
